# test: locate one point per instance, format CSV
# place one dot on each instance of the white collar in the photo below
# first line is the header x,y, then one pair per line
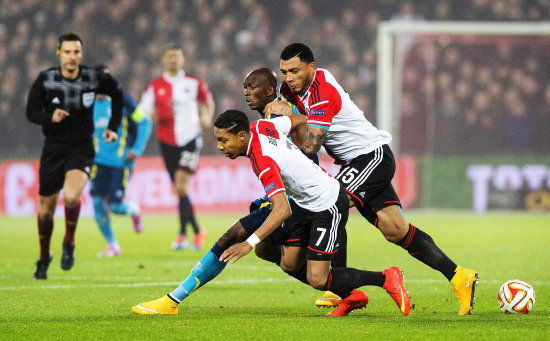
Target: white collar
x,y
180,74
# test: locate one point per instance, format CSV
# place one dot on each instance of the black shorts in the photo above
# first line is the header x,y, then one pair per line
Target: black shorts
x,y
185,157
57,159
367,179
318,231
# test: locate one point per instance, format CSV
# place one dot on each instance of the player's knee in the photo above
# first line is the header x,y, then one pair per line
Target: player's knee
x,y
47,206
181,188
261,252
392,226
317,280
268,252
182,192
290,268
45,213
117,207
71,200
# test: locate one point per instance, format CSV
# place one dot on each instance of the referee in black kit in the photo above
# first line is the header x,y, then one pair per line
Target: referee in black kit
x,y
61,100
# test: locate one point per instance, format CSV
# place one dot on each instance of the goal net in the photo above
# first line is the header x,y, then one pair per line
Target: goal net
x,y
469,103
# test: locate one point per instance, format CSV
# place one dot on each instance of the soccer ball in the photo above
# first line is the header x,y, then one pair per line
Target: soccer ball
x,y
516,297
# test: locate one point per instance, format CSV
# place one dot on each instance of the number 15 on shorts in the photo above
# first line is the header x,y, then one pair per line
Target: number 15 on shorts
x,y
347,175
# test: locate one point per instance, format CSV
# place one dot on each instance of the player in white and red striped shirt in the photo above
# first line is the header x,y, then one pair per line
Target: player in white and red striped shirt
x,y
336,123
181,105
313,218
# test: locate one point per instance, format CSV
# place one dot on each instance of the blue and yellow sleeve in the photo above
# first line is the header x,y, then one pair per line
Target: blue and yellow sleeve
x,y
143,130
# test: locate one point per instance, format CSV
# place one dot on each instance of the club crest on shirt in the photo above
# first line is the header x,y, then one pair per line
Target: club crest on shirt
x,y
269,187
316,112
88,99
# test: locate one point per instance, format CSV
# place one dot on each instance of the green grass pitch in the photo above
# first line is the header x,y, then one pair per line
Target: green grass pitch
x,y
253,299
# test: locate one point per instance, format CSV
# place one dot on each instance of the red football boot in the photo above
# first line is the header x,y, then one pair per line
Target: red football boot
x,y
357,300
396,288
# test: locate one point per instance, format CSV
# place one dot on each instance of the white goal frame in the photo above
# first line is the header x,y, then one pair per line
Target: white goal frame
x,y
387,30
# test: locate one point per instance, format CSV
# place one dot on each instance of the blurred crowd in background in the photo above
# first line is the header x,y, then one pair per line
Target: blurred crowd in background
x,y
458,97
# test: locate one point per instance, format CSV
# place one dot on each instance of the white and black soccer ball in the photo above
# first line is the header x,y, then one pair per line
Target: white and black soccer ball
x,y
516,297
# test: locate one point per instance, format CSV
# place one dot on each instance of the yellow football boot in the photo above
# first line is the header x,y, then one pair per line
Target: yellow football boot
x,y
328,300
163,306
464,284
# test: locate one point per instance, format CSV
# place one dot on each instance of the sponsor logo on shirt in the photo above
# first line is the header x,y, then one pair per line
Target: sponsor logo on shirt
x,y
316,112
101,123
269,187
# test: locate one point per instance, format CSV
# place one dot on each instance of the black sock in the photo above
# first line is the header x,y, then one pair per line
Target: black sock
x,y
342,281
422,247
339,259
183,216
187,210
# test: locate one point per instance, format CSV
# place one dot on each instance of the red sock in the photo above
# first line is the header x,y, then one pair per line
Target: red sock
x,y
71,219
45,228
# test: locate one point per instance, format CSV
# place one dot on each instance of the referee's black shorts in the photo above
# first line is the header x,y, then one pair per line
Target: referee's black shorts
x,y
59,158
367,179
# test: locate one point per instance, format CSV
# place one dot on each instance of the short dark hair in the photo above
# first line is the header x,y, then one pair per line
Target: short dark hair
x,y
299,50
267,75
233,121
171,46
68,37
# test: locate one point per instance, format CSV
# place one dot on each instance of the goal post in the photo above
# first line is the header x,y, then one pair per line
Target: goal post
x,y
395,41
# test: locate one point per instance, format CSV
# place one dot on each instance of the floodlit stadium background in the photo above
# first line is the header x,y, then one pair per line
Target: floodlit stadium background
x,y
472,110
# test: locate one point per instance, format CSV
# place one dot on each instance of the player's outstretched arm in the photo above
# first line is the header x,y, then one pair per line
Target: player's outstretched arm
x,y
280,212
